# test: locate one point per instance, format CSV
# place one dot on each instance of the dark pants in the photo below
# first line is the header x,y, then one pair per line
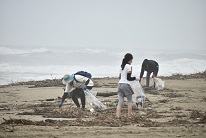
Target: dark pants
x,y
78,93
148,78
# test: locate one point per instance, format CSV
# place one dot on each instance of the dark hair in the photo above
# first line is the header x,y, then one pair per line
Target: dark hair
x,y
127,58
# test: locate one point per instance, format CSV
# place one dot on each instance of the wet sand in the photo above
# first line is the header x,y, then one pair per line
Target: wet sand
x,y
30,110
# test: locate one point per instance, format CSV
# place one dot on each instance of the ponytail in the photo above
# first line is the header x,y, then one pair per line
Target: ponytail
x,y
123,63
126,59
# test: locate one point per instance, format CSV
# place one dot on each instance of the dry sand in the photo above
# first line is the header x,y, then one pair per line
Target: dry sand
x,y
177,111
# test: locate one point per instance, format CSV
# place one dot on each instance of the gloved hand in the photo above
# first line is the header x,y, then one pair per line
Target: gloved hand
x,y
153,75
60,104
84,87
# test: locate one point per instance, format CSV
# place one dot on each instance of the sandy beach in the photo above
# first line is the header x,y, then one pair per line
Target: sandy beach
x,y
30,109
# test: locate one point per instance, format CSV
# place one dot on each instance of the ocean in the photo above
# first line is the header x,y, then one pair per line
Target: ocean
x,y
21,63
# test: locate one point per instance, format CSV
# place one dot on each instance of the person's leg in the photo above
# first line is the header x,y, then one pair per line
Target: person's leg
x,y
82,97
120,104
74,97
148,78
155,73
129,101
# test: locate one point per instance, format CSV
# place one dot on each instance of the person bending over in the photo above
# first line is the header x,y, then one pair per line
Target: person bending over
x,y
150,66
76,84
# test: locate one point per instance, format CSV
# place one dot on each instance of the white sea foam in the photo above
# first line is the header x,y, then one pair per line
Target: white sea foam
x,y
19,64
11,51
14,73
183,66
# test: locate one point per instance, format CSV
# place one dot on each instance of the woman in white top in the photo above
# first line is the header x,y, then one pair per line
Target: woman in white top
x,y
124,88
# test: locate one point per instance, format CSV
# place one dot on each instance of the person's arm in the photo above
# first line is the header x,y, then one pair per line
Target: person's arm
x,y
87,82
129,78
142,72
120,71
155,68
63,98
85,86
129,73
67,90
155,72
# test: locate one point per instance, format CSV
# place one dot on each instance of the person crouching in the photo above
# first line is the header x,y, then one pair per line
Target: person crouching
x,y
76,84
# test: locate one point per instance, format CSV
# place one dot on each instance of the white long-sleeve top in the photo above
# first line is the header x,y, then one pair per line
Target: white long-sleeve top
x,y
78,82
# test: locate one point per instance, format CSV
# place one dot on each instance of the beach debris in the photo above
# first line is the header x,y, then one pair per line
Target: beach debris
x,y
204,99
178,122
172,95
163,101
106,94
4,107
9,128
51,99
203,118
72,116
100,120
179,76
58,83
196,114
176,108
159,83
1,109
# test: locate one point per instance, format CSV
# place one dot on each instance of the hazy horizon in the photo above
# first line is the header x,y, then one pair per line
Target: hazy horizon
x,y
159,24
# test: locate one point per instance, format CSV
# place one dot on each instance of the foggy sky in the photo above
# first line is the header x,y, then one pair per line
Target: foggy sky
x,y
104,23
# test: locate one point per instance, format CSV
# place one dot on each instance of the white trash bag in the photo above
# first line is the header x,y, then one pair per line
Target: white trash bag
x,y
139,96
159,84
94,93
92,102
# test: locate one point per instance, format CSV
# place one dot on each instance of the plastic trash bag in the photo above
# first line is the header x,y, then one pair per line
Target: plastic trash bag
x,y
159,84
93,92
93,103
139,96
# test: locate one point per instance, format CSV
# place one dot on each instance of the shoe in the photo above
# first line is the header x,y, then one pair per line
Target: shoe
x,y
83,109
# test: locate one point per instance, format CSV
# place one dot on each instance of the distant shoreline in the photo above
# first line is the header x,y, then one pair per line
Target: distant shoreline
x,y
57,82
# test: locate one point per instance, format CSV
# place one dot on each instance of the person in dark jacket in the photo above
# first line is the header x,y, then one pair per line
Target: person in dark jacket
x,y
150,66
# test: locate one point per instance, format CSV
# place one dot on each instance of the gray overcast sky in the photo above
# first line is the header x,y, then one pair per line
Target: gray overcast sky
x,y
99,23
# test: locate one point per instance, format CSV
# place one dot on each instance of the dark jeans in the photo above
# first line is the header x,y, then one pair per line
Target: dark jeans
x,y
78,93
148,79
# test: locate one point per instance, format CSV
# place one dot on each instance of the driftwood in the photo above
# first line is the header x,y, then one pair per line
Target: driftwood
x,y
106,94
103,94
